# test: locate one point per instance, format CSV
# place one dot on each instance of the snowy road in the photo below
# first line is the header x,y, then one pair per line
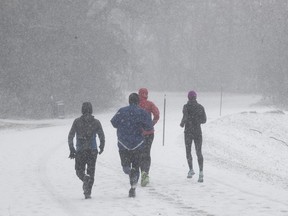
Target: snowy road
x,y
245,171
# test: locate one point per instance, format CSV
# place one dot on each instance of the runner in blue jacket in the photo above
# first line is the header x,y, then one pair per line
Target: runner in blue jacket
x,y
130,122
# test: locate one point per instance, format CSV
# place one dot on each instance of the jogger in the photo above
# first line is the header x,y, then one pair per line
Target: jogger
x,y
86,129
130,121
154,115
193,116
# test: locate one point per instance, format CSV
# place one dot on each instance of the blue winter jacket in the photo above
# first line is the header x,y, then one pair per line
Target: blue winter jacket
x,y
130,122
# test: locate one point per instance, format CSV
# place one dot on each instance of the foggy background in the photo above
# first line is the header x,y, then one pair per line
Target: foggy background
x,y
94,50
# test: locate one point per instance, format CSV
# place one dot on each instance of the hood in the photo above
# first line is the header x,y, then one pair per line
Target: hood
x,y
87,108
143,93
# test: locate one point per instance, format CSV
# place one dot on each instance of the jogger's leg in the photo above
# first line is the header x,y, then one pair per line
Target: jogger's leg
x,y
198,148
188,144
146,154
125,161
135,160
91,164
80,163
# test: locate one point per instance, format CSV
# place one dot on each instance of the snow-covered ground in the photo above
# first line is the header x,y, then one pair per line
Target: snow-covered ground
x,y
245,165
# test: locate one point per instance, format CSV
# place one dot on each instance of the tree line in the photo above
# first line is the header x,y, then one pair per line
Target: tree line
x,y
93,50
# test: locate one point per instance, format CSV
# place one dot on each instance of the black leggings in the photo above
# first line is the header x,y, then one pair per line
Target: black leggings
x,y
83,158
146,153
130,161
198,147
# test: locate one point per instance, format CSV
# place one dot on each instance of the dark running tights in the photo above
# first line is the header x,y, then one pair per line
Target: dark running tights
x,y
130,161
146,153
198,147
86,158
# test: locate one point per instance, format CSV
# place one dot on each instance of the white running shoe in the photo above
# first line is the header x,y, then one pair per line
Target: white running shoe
x,y
190,173
201,177
144,179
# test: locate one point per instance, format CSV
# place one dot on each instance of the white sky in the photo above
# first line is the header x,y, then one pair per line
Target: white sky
x,y
245,171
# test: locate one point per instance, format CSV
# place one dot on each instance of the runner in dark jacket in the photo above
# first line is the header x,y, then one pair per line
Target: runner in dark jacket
x,y
86,129
130,122
193,116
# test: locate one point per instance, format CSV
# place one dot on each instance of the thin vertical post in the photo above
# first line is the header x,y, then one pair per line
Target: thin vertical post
x,y
221,98
164,118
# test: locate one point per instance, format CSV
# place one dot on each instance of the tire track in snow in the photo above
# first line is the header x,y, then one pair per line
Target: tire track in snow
x,y
178,203
120,181
68,207
172,199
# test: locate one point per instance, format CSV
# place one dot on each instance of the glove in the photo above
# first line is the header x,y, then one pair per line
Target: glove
x,y
101,150
154,122
72,153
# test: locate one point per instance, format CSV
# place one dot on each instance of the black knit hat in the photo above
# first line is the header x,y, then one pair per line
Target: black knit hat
x,y
134,98
87,108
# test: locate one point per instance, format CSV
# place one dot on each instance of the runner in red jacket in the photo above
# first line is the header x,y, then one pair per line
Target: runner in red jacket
x,y
152,109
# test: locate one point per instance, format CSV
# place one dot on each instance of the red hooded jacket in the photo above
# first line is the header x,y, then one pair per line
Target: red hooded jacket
x,y
149,107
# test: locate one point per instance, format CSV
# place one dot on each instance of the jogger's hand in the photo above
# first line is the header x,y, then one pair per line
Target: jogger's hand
x,y
72,154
